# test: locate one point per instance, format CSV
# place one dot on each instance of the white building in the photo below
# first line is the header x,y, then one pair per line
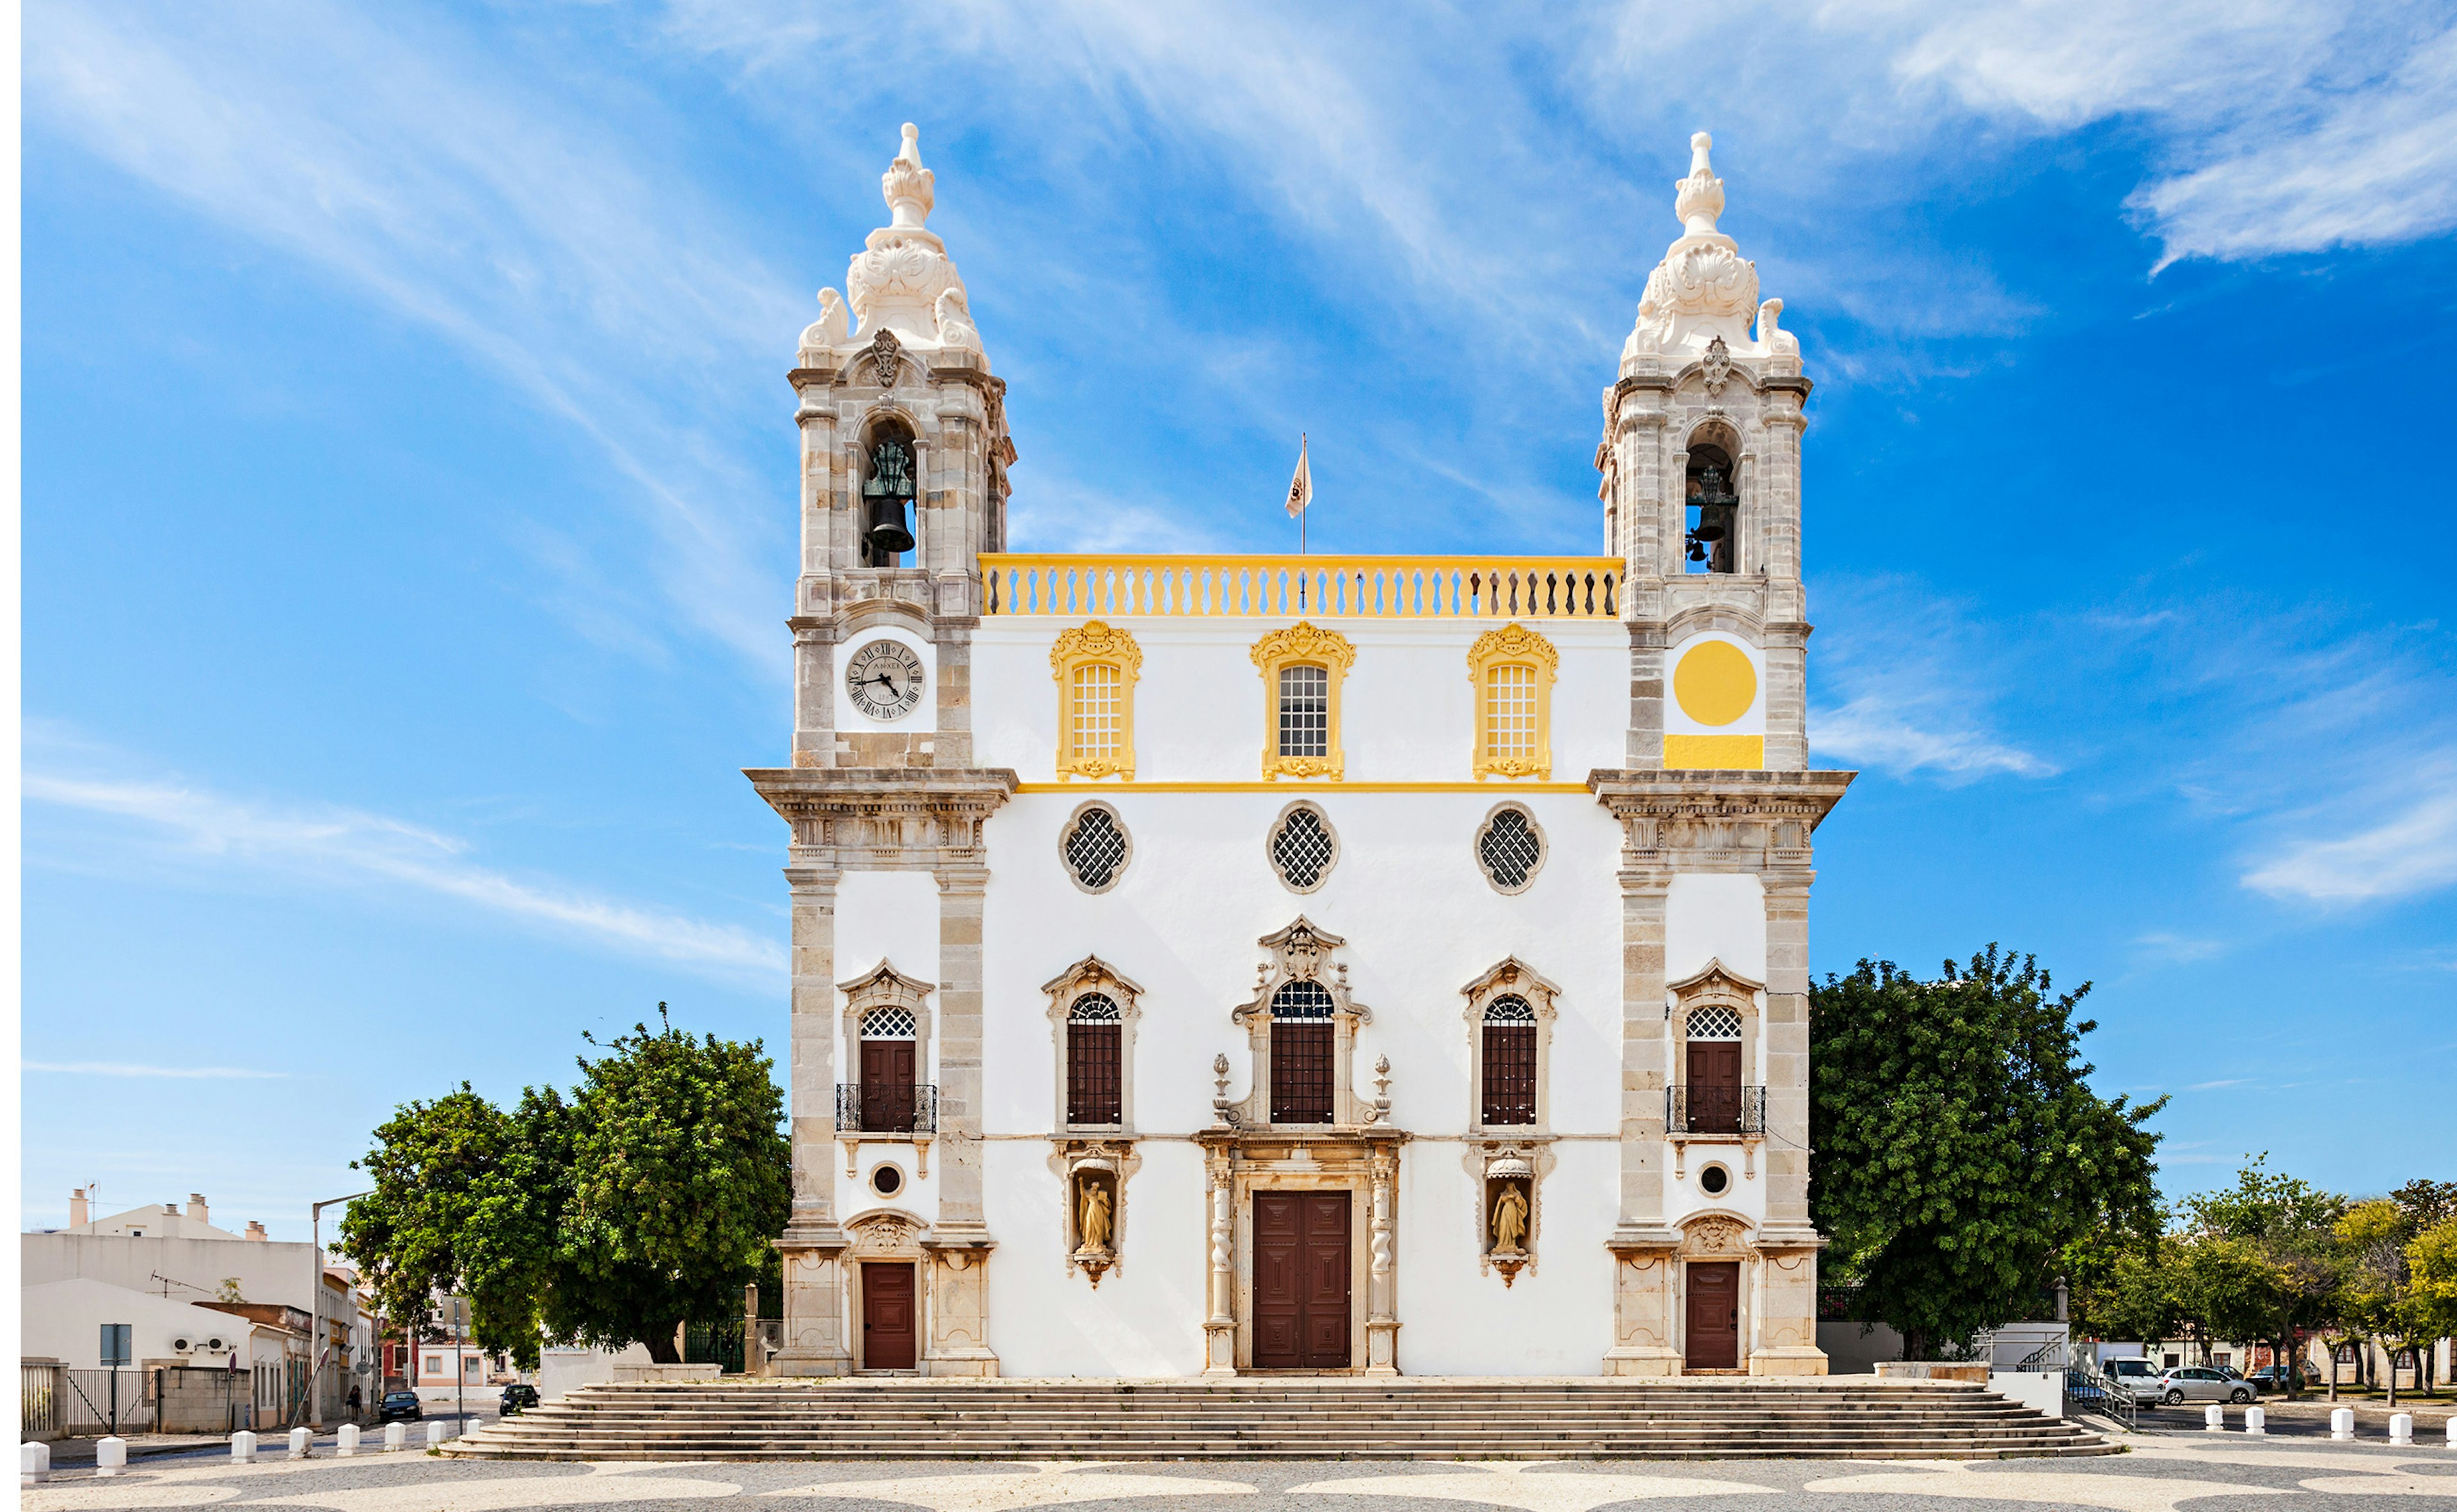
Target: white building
x,y
1210,964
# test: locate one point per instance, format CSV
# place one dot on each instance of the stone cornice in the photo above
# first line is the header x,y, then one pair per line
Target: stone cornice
x,y
907,818
1752,821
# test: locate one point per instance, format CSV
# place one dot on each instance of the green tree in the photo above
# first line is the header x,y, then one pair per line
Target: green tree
x,y
1958,1149
2431,1261
463,1204
2121,1287
680,1178
2288,1227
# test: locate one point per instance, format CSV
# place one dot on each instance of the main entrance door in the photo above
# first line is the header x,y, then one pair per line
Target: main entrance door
x,y
887,1332
1301,1280
1714,1314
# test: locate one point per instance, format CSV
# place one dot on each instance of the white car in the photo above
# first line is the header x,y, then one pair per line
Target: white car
x,y
2138,1377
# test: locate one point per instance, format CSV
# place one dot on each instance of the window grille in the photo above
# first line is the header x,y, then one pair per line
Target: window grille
x,y
1305,710
1095,849
1509,849
1714,1023
1509,1061
1301,1049
1094,1085
888,1024
1303,849
1099,710
1510,712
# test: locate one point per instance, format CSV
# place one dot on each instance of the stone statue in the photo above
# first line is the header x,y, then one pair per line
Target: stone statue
x,y
1092,1221
956,323
832,327
1510,1220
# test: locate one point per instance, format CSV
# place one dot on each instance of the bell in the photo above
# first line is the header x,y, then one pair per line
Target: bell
x,y
1711,525
883,525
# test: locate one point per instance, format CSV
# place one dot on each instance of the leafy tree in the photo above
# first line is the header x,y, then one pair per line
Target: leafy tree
x,y
1958,1149
463,1204
2431,1260
644,1200
2121,1287
2288,1227
680,1176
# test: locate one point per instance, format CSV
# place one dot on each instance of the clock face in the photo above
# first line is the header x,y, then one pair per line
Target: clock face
x,y
884,678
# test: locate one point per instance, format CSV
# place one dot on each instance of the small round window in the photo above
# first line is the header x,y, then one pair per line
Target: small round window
x,y
887,1181
1510,848
1303,847
1714,1181
1095,847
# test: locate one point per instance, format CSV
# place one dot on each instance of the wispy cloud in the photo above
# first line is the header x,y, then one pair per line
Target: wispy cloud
x,y
2174,949
1915,674
323,843
2211,1087
2413,850
184,1073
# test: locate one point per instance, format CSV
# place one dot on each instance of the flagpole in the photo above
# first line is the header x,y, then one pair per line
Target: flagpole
x,y
1301,527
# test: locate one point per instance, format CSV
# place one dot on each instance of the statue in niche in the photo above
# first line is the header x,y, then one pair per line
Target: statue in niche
x,y
1092,1218
1510,1220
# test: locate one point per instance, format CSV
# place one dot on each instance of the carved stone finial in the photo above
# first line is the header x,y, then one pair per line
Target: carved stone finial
x,y
897,280
908,187
1699,199
1703,289
832,327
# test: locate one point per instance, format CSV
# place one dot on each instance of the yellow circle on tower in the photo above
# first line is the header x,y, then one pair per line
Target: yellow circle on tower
x,y
1715,682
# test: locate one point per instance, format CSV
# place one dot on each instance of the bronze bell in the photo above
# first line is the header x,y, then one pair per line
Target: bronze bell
x,y
889,484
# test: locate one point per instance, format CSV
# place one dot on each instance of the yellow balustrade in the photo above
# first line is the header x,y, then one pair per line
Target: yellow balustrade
x,y
1324,587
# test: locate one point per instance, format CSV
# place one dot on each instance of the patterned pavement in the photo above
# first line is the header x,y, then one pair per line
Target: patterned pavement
x,y
2156,1475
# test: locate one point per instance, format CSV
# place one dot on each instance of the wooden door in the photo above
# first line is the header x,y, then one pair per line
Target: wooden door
x,y
1715,1086
1715,1314
887,1085
887,1331
1301,1264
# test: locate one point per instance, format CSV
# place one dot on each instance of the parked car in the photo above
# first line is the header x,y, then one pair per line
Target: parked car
x,y
518,1396
2201,1384
2273,1378
2137,1376
399,1406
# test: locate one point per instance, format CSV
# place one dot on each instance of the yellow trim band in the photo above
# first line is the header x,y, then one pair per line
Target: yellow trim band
x,y
1714,752
1300,787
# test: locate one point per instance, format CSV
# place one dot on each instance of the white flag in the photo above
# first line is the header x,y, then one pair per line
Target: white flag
x,y
1301,487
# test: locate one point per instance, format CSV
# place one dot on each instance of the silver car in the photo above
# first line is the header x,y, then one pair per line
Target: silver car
x,y
2201,1384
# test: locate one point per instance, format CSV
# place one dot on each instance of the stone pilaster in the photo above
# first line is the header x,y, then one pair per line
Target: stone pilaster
x,y
959,1241
811,1244
1784,646
1646,690
1640,1243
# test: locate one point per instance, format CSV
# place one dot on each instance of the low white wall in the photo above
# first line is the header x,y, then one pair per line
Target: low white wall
x,y
2041,1390
562,1371
1850,1352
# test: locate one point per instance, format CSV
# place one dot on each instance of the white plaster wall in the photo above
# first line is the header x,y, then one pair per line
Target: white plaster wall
x,y
1146,1318
1556,1319
63,1320
1408,711
1715,916
892,916
923,718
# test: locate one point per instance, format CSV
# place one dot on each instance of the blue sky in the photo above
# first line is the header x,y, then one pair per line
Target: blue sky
x,y
408,487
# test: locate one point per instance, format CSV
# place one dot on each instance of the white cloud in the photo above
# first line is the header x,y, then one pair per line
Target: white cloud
x,y
121,1068
1918,681
321,843
2174,949
2413,850
1871,732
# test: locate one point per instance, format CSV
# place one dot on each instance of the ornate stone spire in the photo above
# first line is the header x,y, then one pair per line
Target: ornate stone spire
x,y
1703,292
902,281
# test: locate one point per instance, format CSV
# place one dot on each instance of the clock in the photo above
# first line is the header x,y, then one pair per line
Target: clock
x,y
884,679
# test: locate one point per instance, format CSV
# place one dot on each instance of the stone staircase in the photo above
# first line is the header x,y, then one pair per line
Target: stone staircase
x,y
1285,1418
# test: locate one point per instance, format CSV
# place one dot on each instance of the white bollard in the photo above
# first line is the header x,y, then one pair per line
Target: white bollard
x,y
346,1441
2341,1424
2214,1419
395,1437
302,1444
35,1462
2452,1433
2400,1429
243,1447
2256,1421
111,1457
434,1433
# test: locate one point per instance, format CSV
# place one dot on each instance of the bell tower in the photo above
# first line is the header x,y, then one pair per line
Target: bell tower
x,y
904,462
1701,488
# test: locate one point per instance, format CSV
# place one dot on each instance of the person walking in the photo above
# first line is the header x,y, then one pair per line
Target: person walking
x,y
355,1400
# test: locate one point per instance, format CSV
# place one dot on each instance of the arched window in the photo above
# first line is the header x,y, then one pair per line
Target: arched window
x,y
1095,665
1301,1048
890,487
1509,1061
1513,668
1713,510
1302,668
1093,1082
888,1038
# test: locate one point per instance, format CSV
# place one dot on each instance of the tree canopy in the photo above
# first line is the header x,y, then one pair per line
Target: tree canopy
x,y
1957,1148
646,1199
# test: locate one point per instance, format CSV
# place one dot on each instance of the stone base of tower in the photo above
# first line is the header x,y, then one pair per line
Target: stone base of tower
x,y
814,1305
960,1306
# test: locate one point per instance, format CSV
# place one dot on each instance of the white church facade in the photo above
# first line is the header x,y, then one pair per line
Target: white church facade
x,y
1333,963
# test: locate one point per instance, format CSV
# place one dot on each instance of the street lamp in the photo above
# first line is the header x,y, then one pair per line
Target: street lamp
x,y
316,1298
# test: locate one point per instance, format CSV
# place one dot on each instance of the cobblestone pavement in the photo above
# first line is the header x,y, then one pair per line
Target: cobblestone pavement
x,y
2156,1475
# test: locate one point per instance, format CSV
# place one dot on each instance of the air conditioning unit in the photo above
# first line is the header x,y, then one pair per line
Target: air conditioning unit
x,y
184,1345
216,1345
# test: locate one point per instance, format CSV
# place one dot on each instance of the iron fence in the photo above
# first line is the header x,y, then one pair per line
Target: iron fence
x,y
38,1399
1715,1110
112,1402
886,1108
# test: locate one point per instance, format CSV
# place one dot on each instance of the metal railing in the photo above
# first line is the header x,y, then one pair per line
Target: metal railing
x,y
1329,587
1714,1110
2090,1389
38,1399
889,1109
99,1402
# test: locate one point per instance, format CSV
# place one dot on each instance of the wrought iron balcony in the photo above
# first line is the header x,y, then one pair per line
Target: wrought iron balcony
x,y
886,1107
1714,1110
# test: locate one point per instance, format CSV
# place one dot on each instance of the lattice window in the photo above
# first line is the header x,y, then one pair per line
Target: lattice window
x,y
1509,1061
888,1024
1094,848
1303,848
1094,1033
1305,710
1099,711
1510,712
1714,1023
1510,850
1301,1052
